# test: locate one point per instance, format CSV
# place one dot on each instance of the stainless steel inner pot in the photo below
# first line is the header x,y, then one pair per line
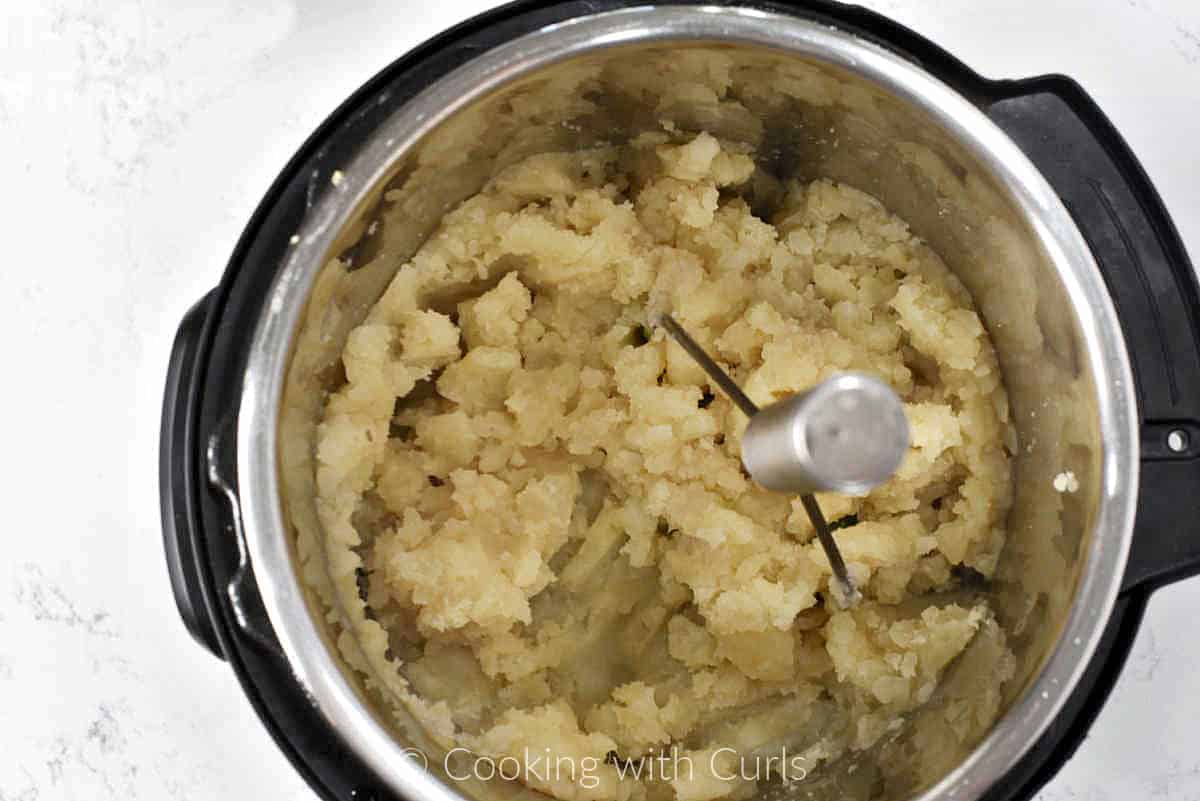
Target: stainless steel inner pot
x,y
817,102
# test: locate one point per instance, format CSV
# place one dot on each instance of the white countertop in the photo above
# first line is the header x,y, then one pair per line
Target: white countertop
x,y
137,138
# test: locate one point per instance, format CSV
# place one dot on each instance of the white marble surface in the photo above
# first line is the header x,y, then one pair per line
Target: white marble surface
x,y
137,137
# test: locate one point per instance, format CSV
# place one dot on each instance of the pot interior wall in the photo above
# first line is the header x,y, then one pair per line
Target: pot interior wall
x,y
805,120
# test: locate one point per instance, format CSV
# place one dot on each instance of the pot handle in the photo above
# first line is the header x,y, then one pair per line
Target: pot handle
x,y
179,478
1153,285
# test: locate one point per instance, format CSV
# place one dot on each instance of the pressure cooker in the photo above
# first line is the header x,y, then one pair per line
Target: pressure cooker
x,y
1023,186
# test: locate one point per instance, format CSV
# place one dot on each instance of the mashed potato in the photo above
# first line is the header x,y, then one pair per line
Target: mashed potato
x,y
556,544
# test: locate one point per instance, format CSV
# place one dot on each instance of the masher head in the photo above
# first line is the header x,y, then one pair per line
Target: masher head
x,y
848,434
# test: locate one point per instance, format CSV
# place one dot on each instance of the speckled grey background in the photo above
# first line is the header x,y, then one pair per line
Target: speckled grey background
x,y
135,140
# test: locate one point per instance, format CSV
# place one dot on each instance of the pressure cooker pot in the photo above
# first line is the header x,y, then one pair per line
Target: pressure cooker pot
x,y
1022,187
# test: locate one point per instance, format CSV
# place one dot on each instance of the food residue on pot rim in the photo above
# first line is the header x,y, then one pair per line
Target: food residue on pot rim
x,y
1066,482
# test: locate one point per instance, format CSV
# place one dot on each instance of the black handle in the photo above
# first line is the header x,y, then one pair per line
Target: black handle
x,y
178,471
1154,288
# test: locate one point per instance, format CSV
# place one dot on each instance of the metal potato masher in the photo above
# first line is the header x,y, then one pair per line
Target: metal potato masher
x,y
847,434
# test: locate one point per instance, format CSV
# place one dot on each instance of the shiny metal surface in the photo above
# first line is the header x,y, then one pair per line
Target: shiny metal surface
x,y
895,131
848,434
